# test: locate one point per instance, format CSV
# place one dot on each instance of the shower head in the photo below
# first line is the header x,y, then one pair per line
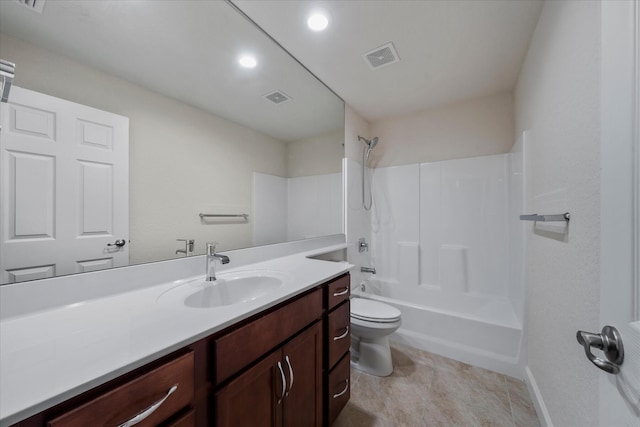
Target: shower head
x,y
370,143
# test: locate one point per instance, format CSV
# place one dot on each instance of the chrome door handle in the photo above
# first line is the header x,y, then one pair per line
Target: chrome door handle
x,y
150,410
610,342
286,358
346,332
284,383
344,292
119,243
346,387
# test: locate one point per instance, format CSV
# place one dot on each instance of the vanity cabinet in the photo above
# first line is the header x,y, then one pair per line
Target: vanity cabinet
x,y
283,389
338,341
285,366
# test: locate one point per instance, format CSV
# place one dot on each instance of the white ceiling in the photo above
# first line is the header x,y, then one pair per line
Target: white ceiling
x,y
449,50
187,50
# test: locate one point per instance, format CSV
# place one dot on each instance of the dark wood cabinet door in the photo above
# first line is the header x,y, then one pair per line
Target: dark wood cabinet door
x,y
303,361
253,398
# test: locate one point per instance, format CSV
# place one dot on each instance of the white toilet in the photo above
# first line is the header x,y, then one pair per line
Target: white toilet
x,y
371,324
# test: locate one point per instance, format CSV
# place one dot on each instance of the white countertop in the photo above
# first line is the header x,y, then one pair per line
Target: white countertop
x,y
49,356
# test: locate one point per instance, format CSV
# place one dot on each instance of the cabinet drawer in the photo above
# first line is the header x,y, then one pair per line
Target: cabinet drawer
x,y
187,420
131,399
338,333
339,388
241,347
337,292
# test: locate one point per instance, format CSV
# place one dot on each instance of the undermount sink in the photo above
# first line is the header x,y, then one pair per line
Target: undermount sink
x,y
228,289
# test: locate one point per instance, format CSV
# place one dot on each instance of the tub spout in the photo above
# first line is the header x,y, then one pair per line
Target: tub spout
x,y
368,270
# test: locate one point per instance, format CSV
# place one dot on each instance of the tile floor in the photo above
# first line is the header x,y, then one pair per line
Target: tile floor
x,y
430,390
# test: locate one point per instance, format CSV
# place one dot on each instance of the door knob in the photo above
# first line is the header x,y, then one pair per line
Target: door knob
x,y
119,243
610,342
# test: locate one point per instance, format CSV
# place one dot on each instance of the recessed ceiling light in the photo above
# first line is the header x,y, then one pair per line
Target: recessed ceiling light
x,y
248,61
318,21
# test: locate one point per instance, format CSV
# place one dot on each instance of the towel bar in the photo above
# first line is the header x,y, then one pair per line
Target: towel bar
x,y
546,218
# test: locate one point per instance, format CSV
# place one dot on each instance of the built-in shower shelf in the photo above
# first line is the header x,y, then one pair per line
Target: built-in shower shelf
x,y
546,218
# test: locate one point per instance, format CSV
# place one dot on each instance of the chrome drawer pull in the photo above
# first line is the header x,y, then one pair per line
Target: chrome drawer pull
x,y
338,294
346,387
290,374
150,410
284,383
346,332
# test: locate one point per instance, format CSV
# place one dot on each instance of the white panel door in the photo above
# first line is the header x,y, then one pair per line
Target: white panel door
x,y
64,187
620,221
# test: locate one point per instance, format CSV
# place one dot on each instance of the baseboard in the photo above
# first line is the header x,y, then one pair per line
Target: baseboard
x,y
536,396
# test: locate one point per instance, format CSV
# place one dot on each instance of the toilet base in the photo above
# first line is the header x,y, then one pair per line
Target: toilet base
x,y
373,356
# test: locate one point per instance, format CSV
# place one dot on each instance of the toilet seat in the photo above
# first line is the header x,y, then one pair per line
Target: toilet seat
x,y
373,311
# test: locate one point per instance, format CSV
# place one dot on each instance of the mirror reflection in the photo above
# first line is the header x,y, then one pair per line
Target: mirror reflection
x,y
132,129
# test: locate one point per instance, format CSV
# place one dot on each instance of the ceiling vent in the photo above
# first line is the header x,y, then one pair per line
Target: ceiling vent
x,y
35,5
278,97
381,56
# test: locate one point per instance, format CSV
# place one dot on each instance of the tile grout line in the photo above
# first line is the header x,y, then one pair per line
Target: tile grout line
x,y
513,416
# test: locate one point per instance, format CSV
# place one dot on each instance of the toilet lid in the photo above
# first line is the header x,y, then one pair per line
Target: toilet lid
x,y
366,309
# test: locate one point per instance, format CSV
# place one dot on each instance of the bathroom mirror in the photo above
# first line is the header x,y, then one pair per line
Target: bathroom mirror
x,y
257,151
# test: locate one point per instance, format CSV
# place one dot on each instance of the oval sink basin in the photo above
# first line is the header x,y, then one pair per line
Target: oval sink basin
x,y
228,289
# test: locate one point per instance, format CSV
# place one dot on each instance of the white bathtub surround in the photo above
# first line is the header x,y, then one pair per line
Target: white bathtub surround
x,y
287,209
63,336
518,179
448,252
270,204
315,206
470,336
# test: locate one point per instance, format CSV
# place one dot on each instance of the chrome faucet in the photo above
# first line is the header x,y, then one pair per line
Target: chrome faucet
x,y
212,256
368,270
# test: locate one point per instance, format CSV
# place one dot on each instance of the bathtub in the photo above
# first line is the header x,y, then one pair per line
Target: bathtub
x,y
476,329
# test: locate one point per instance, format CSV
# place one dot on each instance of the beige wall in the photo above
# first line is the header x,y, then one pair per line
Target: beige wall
x,y
354,125
317,155
182,160
477,127
557,98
